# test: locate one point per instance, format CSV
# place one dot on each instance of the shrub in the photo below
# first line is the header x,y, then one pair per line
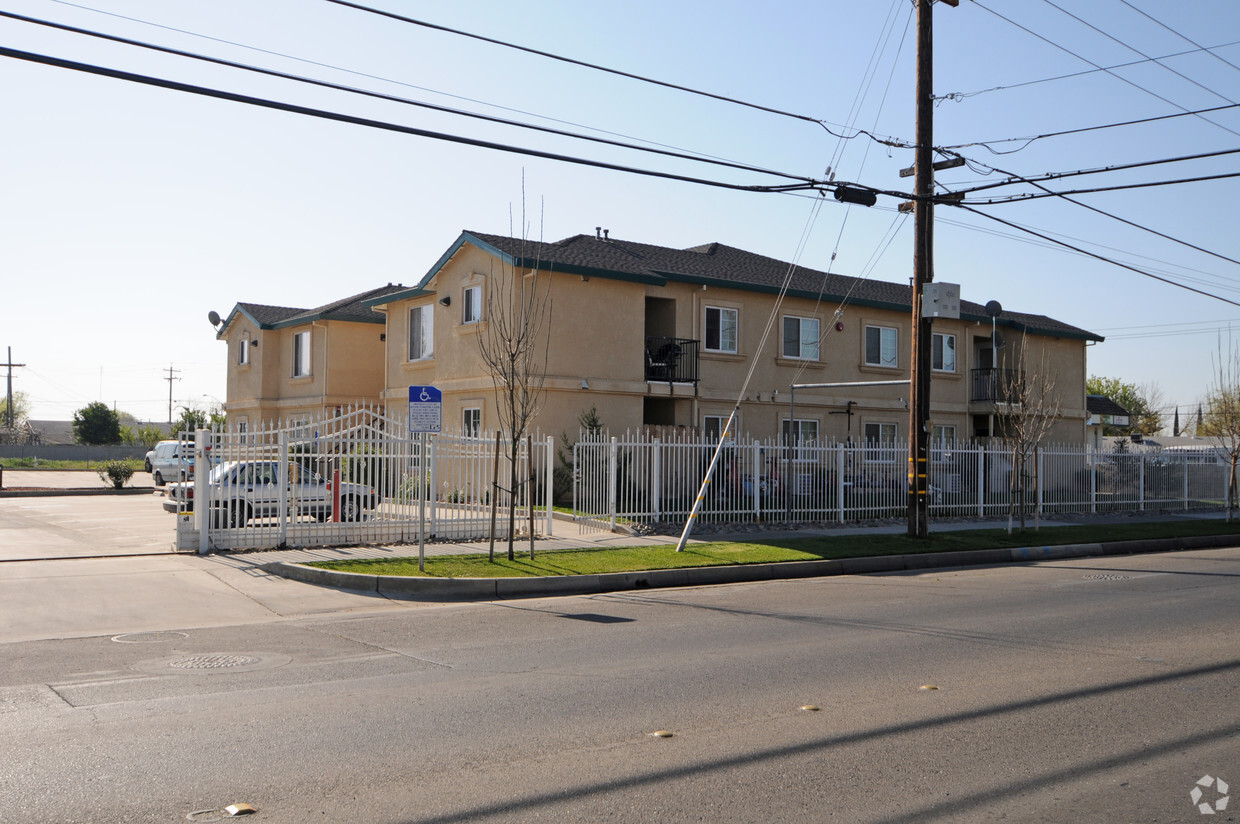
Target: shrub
x,y
117,472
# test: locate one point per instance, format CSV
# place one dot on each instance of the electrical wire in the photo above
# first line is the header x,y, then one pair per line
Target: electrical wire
x,y
1120,188
1207,49
392,127
959,96
1121,78
1096,256
696,157
1031,139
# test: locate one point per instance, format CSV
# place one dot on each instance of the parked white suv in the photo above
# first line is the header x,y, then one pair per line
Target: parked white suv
x,y
170,463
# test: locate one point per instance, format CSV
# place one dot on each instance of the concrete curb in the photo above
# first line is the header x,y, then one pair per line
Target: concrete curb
x,y
59,493
488,589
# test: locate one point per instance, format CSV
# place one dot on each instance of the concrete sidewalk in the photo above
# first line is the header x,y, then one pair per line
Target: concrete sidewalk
x,y
64,481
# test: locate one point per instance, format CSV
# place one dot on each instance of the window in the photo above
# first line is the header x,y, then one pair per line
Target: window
x,y
943,438
421,332
471,422
713,426
800,434
943,353
880,442
472,313
243,353
881,343
800,338
301,354
720,329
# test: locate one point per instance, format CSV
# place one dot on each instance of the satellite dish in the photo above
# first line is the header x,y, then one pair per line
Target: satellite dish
x,y
214,317
993,308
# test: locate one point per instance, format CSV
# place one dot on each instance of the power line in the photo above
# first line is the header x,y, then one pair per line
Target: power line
x,y
805,182
958,96
1096,256
1121,78
1031,139
1123,187
1099,170
1207,49
696,157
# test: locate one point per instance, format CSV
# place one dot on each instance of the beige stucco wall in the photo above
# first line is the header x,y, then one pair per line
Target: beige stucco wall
x,y
346,368
597,335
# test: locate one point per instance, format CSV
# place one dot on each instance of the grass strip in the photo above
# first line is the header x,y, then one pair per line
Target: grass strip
x,y
765,551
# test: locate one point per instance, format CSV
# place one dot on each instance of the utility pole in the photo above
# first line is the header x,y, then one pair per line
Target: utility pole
x,y
170,379
923,273
9,419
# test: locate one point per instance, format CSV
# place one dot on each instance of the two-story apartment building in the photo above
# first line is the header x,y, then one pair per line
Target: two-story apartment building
x,y
653,336
288,364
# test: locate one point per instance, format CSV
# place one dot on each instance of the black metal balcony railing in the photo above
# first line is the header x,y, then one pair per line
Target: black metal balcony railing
x,y
997,385
671,360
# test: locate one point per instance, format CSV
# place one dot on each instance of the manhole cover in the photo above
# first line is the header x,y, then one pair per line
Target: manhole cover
x,y
213,661
1111,577
149,637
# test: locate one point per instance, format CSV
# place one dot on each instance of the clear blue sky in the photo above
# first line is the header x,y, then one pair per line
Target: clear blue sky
x,y
130,212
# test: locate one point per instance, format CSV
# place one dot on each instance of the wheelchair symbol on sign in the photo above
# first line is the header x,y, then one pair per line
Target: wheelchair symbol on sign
x,y
425,396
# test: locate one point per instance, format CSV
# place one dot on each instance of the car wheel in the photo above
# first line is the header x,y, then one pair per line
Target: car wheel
x,y
159,479
350,510
238,515
148,466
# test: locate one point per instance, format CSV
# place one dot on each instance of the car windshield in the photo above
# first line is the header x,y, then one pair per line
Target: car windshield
x,y
218,473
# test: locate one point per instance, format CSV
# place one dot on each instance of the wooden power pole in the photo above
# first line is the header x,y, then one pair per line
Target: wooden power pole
x,y
923,273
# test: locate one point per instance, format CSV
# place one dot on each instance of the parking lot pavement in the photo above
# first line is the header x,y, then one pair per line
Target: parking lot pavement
x,y
66,479
71,526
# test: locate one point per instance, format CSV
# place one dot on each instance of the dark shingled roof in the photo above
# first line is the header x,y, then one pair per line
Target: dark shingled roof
x,y
1102,405
353,308
717,264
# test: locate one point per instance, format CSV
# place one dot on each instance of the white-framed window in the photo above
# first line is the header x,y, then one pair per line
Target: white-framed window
x,y
243,352
471,422
471,300
943,438
799,433
301,354
721,326
713,425
943,353
880,442
421,332
800,338
881,346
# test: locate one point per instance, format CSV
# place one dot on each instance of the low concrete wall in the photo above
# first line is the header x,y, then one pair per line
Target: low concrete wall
x,y
72,452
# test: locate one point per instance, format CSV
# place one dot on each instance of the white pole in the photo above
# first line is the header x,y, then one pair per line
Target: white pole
x,y
710,471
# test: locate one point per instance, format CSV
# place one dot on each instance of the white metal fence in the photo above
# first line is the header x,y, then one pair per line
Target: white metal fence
x,y
357,478
641,479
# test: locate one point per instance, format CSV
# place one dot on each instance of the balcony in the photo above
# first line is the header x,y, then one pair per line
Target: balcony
x,y
997,386
671,360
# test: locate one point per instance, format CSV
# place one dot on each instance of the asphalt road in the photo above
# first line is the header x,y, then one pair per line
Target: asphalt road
x,y
1066,692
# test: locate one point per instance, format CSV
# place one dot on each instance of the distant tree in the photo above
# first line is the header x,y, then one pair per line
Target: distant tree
x,y
191,420
21,409
1142,402
1221,420
589,425
96,423
141,434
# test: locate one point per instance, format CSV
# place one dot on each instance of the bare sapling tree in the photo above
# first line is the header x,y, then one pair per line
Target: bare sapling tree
x,y
1221,421
514,344
1027,409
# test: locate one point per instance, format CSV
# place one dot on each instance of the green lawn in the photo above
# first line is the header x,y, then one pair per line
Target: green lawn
x,y
28,463
723,553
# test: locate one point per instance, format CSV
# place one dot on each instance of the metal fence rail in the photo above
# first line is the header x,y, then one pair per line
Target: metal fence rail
x,y
641,479
359,477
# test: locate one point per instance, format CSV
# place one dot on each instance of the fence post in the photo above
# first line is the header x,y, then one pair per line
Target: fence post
x,y
656,481
1184,473
282,475
755,480
1141,483
612,468
983,452
549,483
1037,481
1093,481
202,491
839,478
